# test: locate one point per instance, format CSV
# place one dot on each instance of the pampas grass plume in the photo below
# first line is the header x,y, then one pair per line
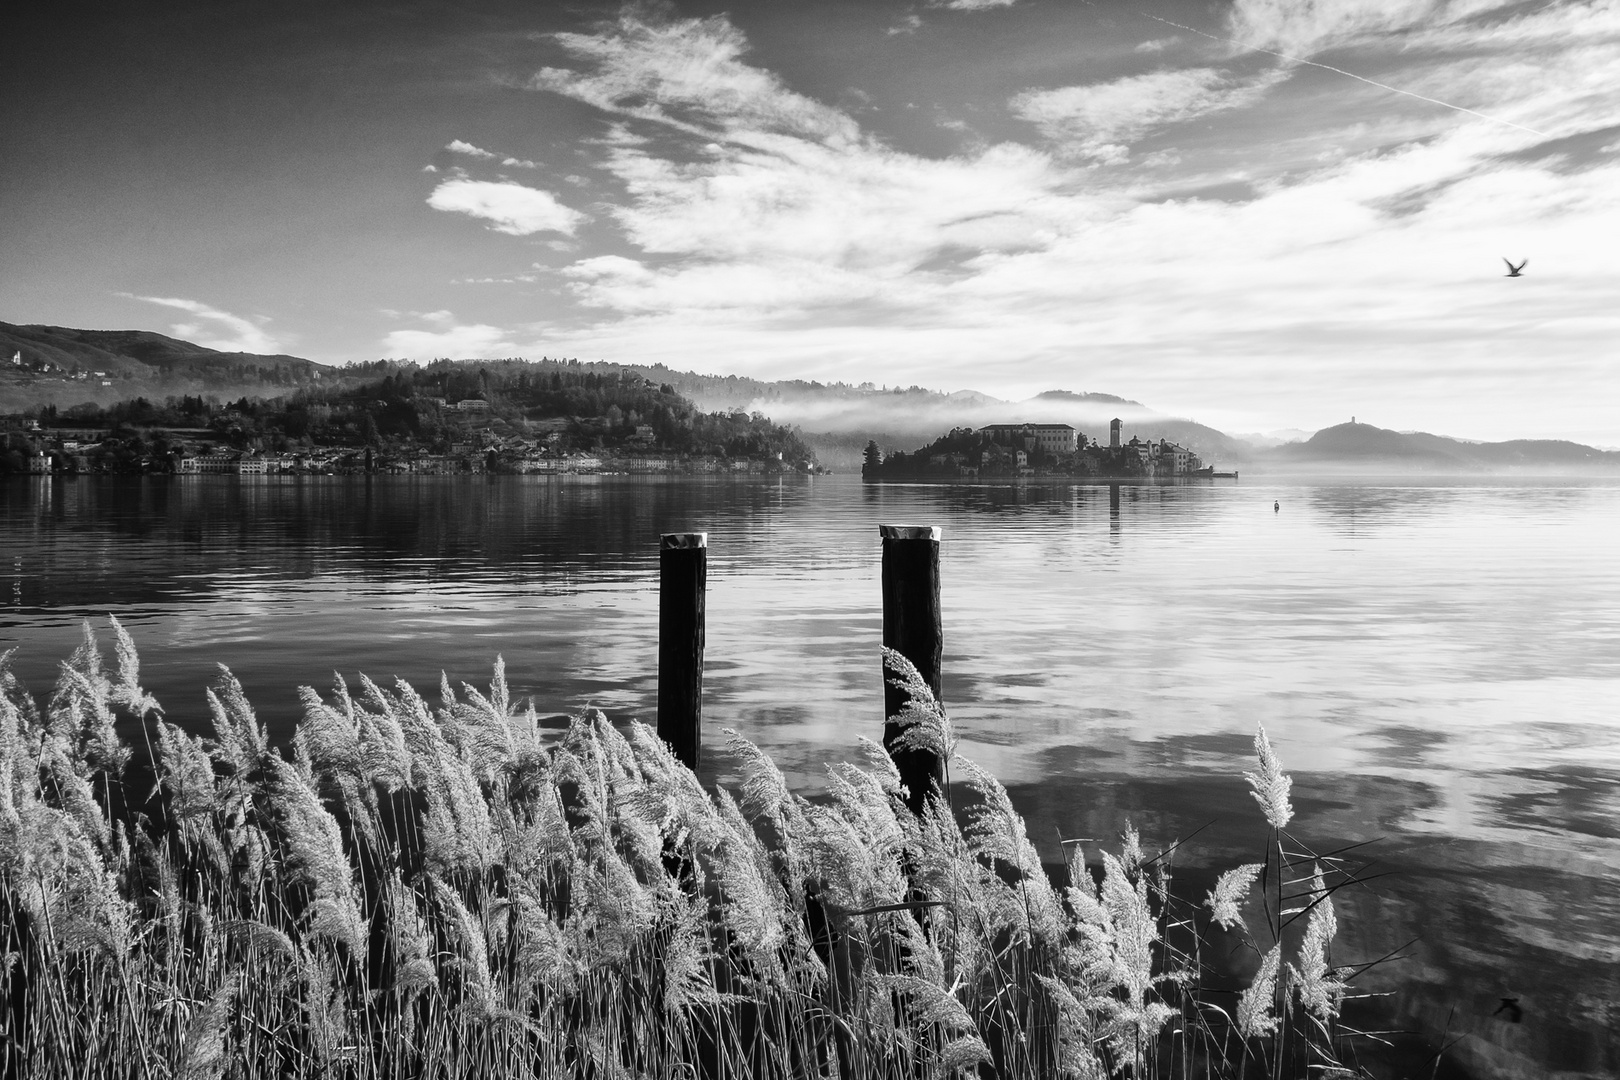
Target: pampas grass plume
x,y
1270,784
457,893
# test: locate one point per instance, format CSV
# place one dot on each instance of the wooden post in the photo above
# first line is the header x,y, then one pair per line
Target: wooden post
x,y
912,627
683,571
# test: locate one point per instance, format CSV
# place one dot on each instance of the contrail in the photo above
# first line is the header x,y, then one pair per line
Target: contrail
x,y
1349,74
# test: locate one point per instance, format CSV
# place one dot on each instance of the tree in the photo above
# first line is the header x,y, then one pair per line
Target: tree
x,y
874,457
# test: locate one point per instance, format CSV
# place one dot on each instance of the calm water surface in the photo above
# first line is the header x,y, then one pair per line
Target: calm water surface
x,y
1437,664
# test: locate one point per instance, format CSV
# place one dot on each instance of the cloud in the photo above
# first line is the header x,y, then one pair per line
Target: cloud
x,y
874,211
768,233
766,173
1101,120
467,149
604,267
908,24
1305,27
228,333
449,338
972,5
456,146
687,73
510,208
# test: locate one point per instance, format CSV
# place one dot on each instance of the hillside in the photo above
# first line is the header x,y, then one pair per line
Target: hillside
x,y
62,366
1356,447
499,416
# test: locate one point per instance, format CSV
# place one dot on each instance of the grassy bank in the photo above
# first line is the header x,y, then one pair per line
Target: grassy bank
x,y
411,891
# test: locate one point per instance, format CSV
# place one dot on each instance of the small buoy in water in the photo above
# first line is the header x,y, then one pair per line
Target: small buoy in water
x,y
1276,507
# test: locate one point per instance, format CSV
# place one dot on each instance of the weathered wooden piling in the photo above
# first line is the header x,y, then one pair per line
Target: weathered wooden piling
x,y
912,627
683,571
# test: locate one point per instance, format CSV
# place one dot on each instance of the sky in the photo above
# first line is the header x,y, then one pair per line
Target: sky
x,y
1259,214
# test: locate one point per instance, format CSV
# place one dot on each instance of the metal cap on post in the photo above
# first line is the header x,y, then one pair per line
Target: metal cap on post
x,y
913,628
683,569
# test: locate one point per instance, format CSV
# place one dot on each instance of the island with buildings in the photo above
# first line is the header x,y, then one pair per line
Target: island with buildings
x,y
1016,451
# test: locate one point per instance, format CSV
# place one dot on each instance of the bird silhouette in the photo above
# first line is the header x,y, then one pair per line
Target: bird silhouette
x,y
1515,1014
1514,271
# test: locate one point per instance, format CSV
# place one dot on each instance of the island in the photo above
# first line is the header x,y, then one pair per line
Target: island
x,y
1034,450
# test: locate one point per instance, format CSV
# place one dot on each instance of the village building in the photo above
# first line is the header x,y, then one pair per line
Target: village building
x,y
209,463
1174,460
1051,438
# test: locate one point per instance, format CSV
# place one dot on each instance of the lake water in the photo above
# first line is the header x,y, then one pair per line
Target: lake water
x,y
1438,664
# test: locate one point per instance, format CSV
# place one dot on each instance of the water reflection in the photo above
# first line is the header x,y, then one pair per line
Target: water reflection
x,y
1356,509
1437,664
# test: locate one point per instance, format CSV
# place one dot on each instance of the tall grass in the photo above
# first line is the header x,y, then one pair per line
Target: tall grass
x,y
418,891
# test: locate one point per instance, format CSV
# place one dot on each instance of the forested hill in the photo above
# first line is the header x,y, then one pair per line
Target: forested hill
x,y
563,404
58,365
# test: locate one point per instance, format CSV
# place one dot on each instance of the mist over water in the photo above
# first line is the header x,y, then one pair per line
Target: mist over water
x,y
1436,663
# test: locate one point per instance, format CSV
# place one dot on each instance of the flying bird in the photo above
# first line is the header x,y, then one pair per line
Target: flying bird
x,y
1513,271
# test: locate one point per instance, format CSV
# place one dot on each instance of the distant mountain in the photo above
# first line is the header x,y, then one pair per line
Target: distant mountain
x,y
1365,448
838,419
60,367
1069,396
1364,444
1267,439
63,366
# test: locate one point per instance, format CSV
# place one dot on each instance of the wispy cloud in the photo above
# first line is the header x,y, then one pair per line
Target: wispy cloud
x,y
776,176
1305,27
689,73
972,5
1100,121
509,207
217,329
